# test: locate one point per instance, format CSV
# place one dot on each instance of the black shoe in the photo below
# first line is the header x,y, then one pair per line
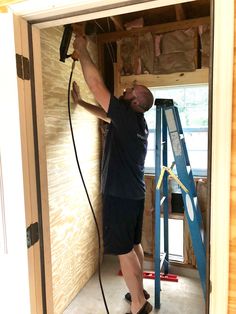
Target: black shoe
x,y
128,296
146,309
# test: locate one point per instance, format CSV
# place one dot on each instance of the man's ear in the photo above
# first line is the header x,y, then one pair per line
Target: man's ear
x,y
137,104
135,101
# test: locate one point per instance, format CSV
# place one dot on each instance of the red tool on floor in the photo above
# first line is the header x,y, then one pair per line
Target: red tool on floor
x,y
151,275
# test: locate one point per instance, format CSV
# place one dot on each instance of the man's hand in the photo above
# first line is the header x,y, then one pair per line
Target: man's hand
x,y
75,93
79,43
95,110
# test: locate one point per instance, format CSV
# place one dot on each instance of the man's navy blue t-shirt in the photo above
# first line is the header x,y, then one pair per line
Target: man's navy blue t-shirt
x,y
124,152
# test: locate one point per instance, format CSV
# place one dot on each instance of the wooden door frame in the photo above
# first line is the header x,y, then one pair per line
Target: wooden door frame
x,y
222,103
222,66
26,132
41,168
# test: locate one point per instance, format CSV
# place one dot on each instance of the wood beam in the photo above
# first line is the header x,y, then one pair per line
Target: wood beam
x,y
117,22
5,3
79,28
179,12
158,29
200,76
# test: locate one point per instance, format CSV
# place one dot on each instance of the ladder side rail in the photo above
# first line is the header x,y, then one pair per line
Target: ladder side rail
x,y
197,242
157,206
193,222
188,198
180,130
192,186
184,146
165,194
180,152
183,176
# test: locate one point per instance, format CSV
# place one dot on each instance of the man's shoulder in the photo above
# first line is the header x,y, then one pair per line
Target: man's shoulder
x,y
116,106
115,100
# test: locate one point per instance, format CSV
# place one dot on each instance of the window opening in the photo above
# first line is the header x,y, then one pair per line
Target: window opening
x,y
192,103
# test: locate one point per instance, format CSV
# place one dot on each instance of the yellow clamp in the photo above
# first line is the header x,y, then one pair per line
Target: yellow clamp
x,y
172,175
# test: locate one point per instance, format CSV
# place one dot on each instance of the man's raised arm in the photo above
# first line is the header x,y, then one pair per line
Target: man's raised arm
x,y
92,76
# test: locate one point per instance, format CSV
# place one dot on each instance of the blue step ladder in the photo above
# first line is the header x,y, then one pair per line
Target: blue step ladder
x,y
167,119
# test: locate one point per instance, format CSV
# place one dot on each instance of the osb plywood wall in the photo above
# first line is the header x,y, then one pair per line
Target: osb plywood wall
x,y
232,248
74,244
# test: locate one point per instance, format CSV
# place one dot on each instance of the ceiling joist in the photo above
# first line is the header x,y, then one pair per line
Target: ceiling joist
x,y
179,12
158,29
117,22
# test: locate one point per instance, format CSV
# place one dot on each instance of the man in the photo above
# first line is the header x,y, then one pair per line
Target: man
x,y
122,183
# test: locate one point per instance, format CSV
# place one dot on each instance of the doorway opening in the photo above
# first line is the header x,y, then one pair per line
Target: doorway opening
x,y
63,130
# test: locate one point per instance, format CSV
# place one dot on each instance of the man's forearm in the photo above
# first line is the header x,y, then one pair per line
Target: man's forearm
x,y
96,111
91,74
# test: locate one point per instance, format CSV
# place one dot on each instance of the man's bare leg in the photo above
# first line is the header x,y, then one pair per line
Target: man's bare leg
x,y
139,252
133,276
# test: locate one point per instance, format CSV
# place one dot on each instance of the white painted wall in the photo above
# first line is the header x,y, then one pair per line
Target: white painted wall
x,y
14,283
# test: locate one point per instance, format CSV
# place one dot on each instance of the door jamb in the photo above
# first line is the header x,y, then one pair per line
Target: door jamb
x,y
221,134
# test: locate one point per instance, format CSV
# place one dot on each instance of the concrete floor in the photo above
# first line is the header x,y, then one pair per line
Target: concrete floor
x,y
182,297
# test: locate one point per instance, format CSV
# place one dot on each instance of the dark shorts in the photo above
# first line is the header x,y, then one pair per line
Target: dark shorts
x,y
122,224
